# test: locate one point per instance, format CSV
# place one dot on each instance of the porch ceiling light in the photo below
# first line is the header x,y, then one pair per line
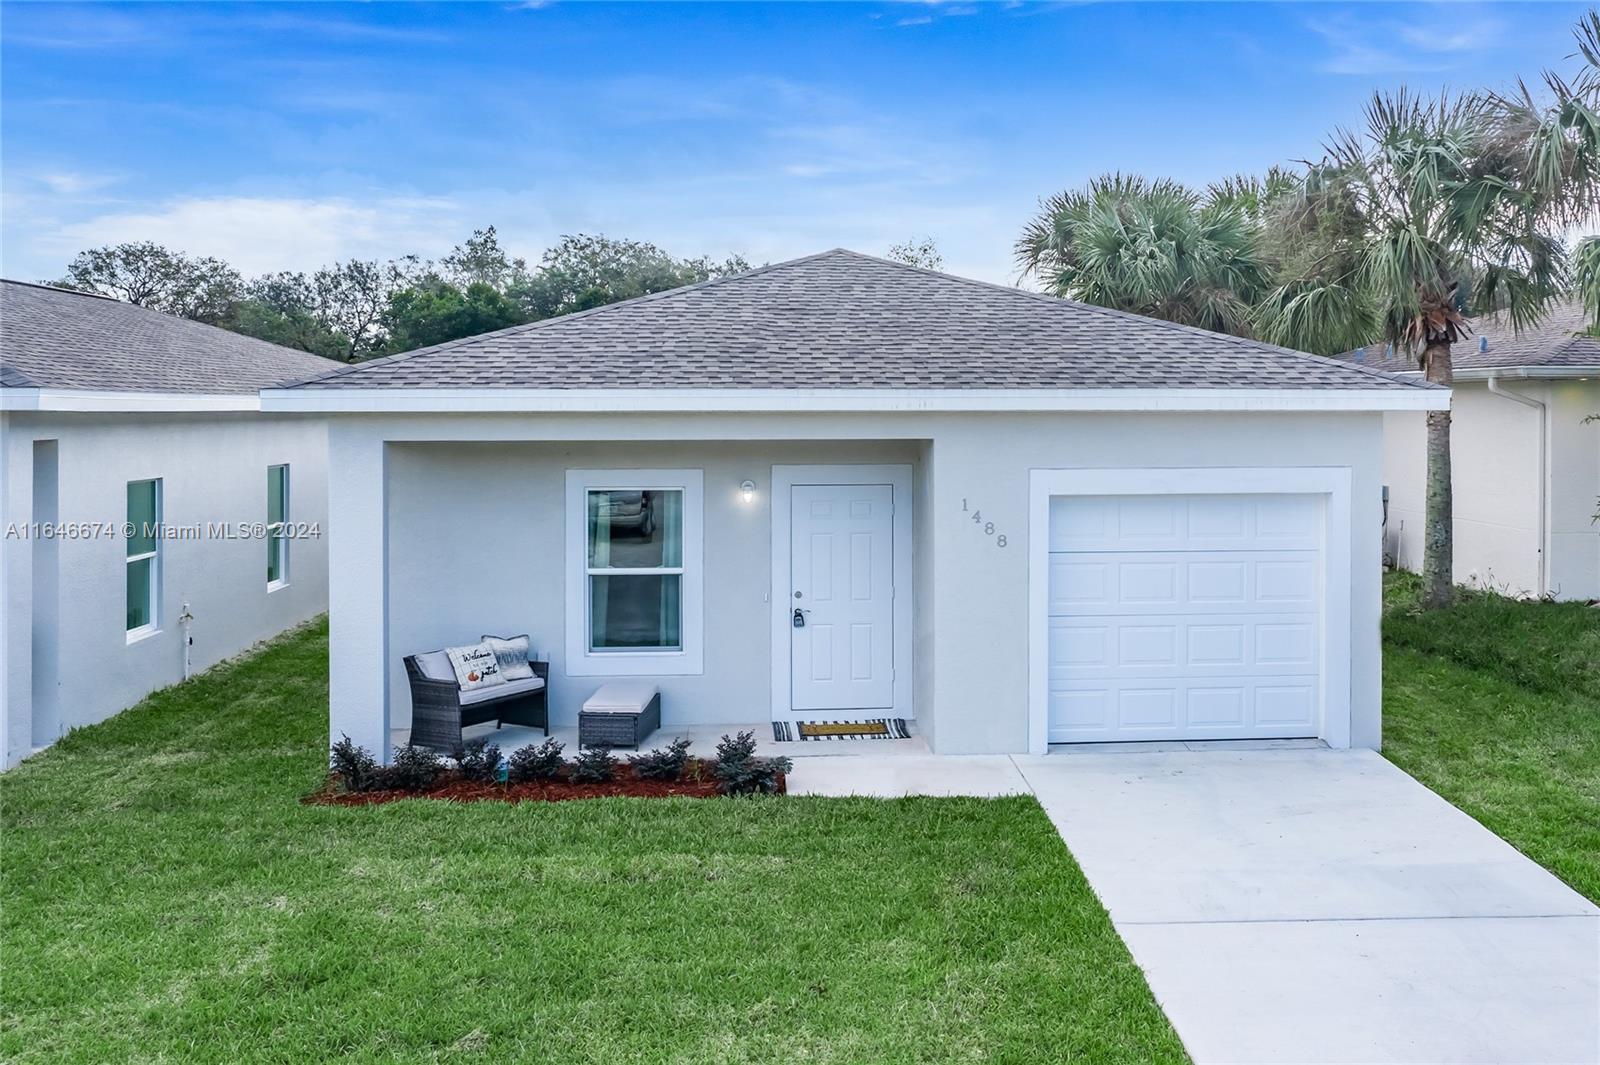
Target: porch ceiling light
x,y
747,489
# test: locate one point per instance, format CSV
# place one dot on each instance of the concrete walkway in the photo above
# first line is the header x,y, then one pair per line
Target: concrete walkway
x,y
1294,905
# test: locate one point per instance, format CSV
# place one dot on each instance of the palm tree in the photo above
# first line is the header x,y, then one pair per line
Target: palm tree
x,y
1559,136
1150,247
1399,231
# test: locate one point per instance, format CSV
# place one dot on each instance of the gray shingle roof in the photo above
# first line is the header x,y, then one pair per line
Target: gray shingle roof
x,y
1552,343
55,338
845,320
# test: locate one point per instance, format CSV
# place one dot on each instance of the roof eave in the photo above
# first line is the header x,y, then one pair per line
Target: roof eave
x,y
823,400
113,401
1483,373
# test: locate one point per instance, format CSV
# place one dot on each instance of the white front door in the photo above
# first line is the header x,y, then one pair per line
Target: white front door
x,y
842,584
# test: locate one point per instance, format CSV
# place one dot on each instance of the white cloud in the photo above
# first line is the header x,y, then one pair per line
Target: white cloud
x,y
1426,41
75,183
260,234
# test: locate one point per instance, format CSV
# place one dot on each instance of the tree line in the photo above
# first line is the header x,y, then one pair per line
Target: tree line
x,y
361,308
358,309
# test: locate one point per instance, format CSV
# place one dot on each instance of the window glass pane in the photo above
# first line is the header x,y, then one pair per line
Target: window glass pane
x,y
275,544
277,492
139,593
636,611
636,529
142,516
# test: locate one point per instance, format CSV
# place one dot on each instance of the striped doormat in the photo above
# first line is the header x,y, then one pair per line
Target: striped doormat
x,y
883,728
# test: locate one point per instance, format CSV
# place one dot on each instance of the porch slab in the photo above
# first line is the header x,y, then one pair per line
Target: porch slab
x,y
704,739
980,776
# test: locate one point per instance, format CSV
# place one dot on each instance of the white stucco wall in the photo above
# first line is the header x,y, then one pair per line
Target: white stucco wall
x,y
460,540
1494,450
1574,487
213,468
477,546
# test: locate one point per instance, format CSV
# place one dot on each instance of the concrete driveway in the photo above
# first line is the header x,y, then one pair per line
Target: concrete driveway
x,y
1318,905
1300,905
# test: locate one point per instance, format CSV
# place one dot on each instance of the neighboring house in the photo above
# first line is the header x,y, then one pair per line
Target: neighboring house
x,y
845,488
113,414
1525,464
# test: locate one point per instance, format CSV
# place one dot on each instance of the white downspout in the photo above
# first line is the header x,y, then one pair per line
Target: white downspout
x,y
1544,479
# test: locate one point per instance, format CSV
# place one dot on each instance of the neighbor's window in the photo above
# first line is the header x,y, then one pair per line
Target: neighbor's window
x,y
277,515
144,554
635,569
634,589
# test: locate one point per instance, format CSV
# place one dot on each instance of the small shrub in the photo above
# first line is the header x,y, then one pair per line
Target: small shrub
x,y
739,748
740,772
530,763
662,764
414,769
355,766
751,776
478,761
594,765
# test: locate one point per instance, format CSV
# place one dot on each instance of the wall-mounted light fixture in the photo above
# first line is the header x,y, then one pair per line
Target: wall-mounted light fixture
x,y
747,490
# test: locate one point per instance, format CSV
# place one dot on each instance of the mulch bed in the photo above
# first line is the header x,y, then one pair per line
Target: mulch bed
x,y
697,784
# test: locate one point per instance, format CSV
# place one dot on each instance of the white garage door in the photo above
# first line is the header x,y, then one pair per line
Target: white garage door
x,y
1184,617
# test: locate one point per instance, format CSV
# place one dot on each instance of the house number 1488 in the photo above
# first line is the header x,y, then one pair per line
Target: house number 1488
x,y
986,526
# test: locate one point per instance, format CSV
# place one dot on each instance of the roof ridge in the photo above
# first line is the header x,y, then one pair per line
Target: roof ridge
x,y
1260,346
523,327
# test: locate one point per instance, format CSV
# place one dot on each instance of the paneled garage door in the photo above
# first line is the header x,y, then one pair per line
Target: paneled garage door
x,y
1184,617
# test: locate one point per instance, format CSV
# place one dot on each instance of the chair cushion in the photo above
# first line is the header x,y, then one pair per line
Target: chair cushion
x,y
435,665
621,697
502,691
476,666
512,653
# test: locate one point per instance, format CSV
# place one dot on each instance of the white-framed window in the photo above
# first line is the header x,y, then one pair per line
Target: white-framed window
x,y
143,557
635,572
277,517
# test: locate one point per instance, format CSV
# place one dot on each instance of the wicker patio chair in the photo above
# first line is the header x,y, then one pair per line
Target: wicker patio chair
x,y
440,709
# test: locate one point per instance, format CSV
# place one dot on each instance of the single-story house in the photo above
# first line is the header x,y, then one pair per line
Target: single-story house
x,y
843,488
154,520
1525,463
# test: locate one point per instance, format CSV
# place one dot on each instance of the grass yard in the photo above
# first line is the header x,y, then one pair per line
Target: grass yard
x,y
1495,704
166,897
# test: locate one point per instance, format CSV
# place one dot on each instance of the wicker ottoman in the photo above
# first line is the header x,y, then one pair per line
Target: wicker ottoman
x,y
621,714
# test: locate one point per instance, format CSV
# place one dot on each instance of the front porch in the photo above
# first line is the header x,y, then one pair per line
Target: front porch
x,y
749,581
703,737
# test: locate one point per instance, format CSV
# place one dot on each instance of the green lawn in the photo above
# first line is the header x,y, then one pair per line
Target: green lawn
x,y
166,897
1495,704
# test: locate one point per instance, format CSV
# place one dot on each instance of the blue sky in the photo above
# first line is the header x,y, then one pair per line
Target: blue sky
x,y
284,136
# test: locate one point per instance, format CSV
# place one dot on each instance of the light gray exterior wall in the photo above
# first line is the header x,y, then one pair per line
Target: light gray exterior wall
x,y
980,645
213,469
482,550
1494,450
447,538
1574,487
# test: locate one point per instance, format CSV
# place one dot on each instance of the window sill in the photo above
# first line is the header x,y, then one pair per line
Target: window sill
x,y
277,586
140,634
636,664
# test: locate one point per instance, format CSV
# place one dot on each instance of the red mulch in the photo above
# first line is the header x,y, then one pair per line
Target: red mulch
x,y
698,784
